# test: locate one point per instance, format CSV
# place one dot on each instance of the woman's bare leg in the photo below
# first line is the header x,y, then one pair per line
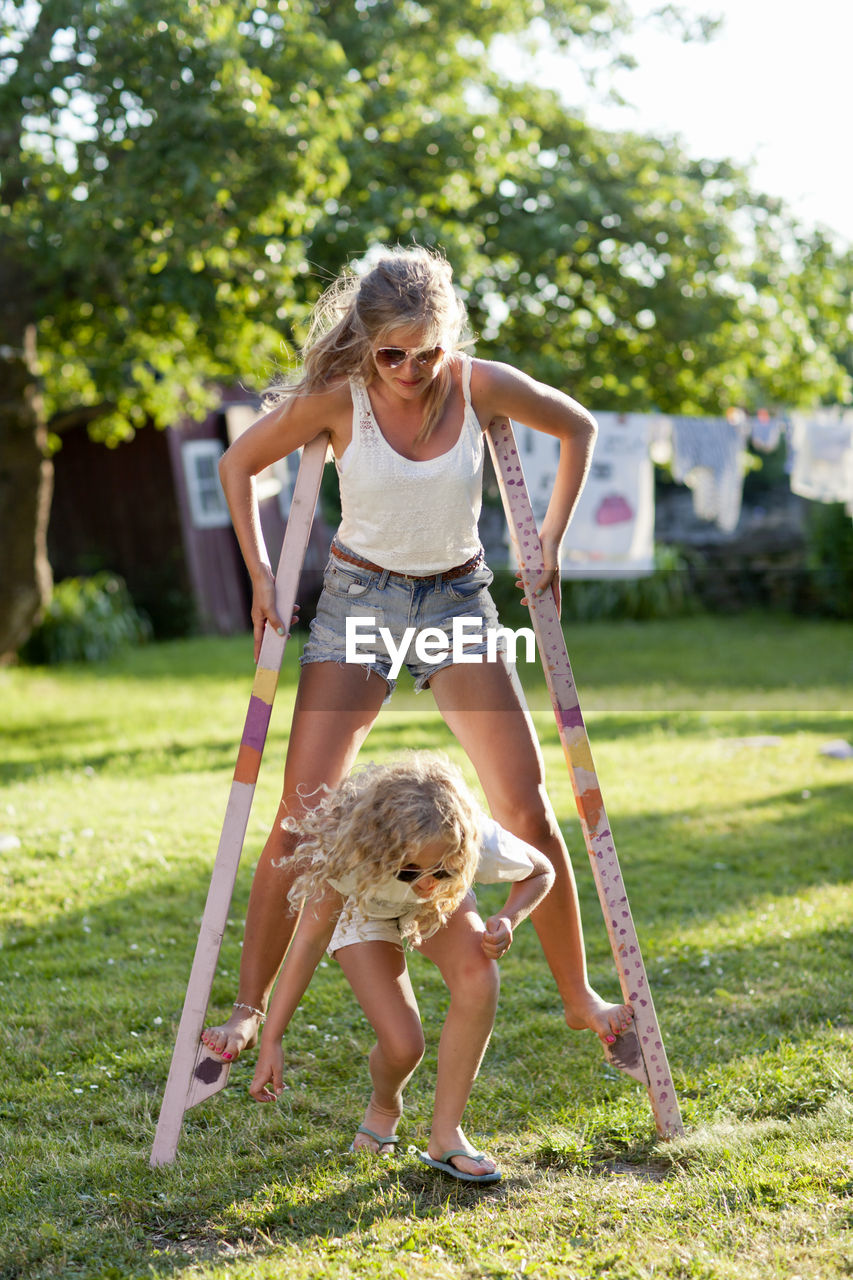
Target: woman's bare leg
x,y
377,973
334,710
482,708
473,982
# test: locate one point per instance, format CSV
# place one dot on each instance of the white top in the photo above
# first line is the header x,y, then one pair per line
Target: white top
x,y
411,517
503,858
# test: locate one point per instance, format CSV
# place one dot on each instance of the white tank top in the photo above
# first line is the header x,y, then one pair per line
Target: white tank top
x,y
412,517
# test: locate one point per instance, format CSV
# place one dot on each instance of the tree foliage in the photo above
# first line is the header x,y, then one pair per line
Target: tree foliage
x,y
166,159
179,179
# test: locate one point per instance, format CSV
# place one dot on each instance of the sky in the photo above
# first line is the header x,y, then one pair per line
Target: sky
x,y
774,89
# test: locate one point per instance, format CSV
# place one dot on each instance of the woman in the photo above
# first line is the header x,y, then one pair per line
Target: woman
x,y
384,375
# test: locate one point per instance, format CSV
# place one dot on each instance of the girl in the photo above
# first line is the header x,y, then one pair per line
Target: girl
x,y
385,376
389,857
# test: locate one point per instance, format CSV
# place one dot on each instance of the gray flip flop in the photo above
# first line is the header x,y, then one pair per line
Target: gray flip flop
x,y
390,1141
444,1166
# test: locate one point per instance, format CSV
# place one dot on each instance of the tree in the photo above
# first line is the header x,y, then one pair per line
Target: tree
x,y
618,265
159,163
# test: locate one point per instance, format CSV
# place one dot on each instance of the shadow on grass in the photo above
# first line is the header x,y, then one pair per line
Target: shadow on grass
x,y
159,758
726,1018
726,725
678,869
307,1208
55,743
136,949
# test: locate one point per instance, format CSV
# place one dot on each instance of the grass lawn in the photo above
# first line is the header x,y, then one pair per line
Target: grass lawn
x,y
735,838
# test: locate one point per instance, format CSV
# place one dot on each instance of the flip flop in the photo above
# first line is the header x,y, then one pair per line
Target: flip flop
x,y
390,1141
444,1165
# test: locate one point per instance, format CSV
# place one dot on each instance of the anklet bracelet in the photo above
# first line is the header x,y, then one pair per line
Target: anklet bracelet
x,y
238,1004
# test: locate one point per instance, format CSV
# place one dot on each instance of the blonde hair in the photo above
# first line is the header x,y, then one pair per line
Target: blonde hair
x,y
405,288
370,825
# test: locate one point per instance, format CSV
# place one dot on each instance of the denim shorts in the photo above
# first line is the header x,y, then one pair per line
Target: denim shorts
x,y
441,617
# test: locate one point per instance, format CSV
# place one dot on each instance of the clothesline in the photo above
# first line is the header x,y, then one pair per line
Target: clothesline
x,y
613,527
707,454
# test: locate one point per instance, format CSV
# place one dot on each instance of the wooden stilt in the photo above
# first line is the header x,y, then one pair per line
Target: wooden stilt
x,y
641,1052
195,1073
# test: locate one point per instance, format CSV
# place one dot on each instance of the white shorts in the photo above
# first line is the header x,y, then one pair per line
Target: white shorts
x,y
360,928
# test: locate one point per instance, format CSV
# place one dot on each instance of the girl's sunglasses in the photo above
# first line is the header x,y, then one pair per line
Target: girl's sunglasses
x,y
393,357
409,875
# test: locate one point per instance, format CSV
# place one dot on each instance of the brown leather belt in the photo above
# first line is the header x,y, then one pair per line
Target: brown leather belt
x,y
458,571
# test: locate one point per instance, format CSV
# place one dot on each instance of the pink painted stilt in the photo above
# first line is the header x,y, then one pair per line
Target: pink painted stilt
x,y
195,1073
639,1052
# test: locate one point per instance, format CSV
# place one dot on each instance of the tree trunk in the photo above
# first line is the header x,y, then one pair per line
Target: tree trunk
x,y
26,486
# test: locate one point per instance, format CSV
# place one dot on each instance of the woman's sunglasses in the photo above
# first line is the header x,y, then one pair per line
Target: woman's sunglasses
x,y
393,357
409,875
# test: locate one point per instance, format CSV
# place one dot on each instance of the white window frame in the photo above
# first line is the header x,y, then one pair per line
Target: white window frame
x,y
208,508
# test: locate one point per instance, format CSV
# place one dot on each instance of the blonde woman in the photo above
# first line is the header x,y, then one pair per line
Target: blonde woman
x,y
388,858
385,374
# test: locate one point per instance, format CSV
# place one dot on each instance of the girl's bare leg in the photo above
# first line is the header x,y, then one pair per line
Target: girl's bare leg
x,y
334,710
473,982
377,973
480,705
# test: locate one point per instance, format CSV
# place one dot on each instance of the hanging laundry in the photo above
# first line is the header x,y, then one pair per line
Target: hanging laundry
x,y
765,431
660,440
708,456
612,530
822,455
540,456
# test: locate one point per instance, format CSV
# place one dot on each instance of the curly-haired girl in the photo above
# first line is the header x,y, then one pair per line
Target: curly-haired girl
x,y
389,857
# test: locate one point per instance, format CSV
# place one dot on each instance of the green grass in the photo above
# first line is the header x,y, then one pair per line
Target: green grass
x,y
734,835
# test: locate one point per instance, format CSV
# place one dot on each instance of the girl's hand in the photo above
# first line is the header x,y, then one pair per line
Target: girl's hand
x,y
264,609
270,1069
497,939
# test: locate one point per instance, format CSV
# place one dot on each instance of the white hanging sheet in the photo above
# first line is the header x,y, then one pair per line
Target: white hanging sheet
x,y
612,530
821,446
708,456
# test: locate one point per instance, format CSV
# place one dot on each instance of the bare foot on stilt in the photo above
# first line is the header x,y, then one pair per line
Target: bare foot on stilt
x,y
238,1033
614,1025
607,1020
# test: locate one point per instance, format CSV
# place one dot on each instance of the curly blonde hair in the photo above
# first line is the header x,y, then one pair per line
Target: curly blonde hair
x,y
370,825
406,287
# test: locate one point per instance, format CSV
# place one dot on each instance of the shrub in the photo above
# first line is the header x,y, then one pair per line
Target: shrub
x,y
665,593
829,559
87,620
